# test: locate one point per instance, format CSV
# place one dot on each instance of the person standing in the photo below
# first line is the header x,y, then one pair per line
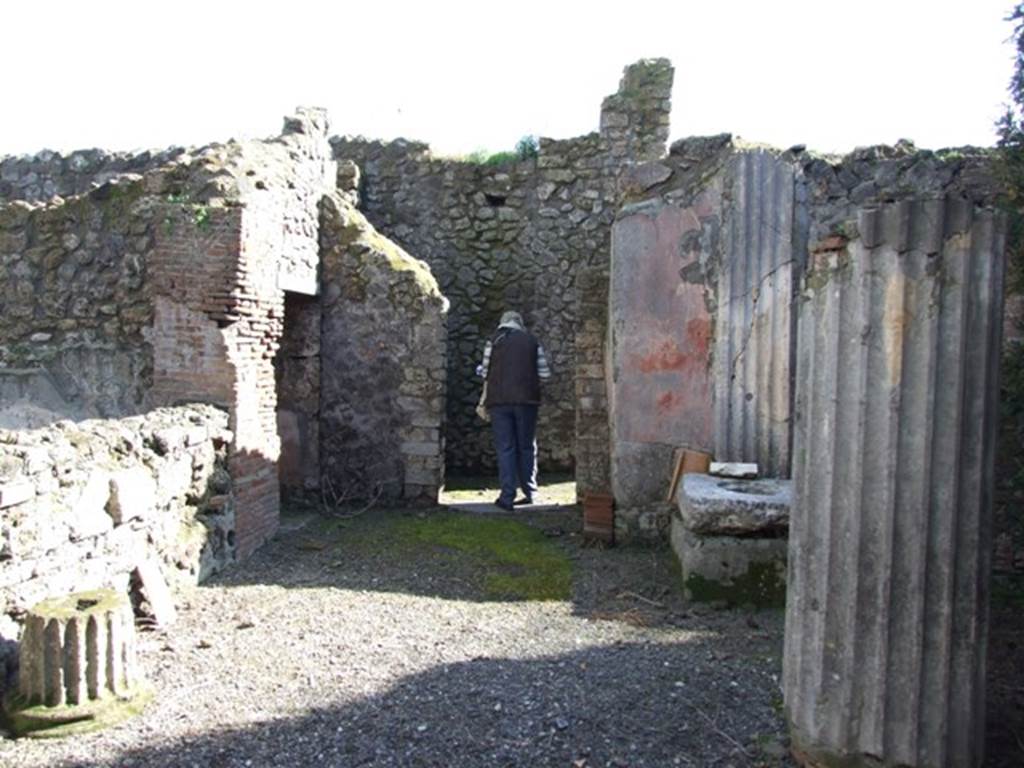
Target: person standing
x,y
513,366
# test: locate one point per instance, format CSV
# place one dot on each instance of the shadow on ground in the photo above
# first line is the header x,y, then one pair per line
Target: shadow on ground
x,y
644,704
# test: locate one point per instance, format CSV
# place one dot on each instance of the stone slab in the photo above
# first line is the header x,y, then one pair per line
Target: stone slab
x,y
15,493
739,470
132,495
155,591
726,507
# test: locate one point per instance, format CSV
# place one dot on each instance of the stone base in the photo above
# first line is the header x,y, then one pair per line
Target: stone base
x,y
816,757
738,570
40,721
648,524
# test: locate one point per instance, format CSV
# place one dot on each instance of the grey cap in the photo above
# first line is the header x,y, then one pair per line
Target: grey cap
x,y
511,318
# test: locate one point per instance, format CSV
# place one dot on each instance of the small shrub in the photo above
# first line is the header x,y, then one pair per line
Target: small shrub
x,y
500,158
527,147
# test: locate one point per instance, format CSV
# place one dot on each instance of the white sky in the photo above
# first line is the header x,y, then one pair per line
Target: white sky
x,y
479,75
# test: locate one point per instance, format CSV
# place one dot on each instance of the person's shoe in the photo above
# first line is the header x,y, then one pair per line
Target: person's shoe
x,y
506,505
524,501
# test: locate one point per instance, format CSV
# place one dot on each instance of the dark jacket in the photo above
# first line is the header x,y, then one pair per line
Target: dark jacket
x,y
512,373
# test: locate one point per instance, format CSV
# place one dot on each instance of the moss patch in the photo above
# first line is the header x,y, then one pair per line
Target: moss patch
x,y
763,585
518,562
42,722
92,603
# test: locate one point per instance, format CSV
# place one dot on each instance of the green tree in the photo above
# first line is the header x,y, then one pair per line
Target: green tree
x,y
1010,157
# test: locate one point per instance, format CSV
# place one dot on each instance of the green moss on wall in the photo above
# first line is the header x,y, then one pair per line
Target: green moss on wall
x,y
763,585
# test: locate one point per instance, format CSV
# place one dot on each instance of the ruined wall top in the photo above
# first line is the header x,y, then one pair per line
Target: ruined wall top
x,y
216,173
636,118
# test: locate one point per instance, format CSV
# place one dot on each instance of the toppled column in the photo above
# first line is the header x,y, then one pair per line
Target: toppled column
x,y
78,665
889,548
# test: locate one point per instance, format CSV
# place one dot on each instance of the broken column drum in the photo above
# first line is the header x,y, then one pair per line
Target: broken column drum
x,y
896,395
77,664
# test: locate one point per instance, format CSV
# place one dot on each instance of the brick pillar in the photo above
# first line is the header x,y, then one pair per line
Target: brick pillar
x,y
217,324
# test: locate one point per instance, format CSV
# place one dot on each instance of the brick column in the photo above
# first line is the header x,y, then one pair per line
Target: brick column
x,y
217,323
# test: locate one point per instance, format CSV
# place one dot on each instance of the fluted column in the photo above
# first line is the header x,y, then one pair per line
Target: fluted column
x,y
77,666
896,393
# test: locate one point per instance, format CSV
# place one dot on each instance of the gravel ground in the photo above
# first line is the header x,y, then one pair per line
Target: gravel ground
x,y
325,650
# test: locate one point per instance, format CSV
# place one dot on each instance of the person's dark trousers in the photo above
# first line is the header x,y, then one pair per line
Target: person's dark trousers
x,y
515,441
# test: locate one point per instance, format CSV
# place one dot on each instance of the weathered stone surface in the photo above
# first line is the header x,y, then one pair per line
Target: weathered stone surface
x,y
78,667
16,493
133,291
97,508
514,236
71,293
49,174
154,591
726,237
660,330
132,494
638,179
754,328
739,571
727,507
896,380
382,388
734,469
649,523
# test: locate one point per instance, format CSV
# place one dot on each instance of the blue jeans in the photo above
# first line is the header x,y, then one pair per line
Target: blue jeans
x,y
515,440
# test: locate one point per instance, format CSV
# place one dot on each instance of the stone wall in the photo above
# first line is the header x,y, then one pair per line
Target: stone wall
x,y
47,175
297,367
382,362
84,504
75,303
593,469
514,236
239,229
168,288
705,254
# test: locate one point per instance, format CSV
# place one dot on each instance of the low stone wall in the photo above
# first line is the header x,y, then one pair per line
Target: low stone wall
x,y
82,505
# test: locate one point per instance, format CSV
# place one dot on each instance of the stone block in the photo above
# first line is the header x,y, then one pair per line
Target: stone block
x,y
168,440
89,513
174,477
641,472
420,448
155,591
132,495
724,506
17,492
734,469
422,477
639,178
739,571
